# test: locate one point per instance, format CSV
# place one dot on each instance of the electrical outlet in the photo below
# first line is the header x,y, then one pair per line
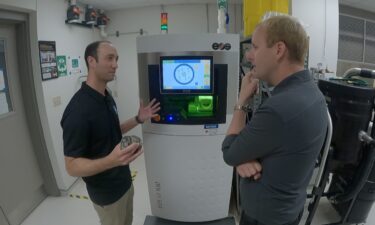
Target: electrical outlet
x,y
56,101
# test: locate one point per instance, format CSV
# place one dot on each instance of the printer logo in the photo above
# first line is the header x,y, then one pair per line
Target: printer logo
x,y
221,46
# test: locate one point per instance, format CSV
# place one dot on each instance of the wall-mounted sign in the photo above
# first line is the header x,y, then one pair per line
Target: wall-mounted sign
x,y
74,65
47,54
61,65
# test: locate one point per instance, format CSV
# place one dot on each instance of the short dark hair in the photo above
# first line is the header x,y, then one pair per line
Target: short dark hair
x,y
92,50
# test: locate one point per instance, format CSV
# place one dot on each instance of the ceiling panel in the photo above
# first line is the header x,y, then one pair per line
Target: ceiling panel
x,y
368,5
121,4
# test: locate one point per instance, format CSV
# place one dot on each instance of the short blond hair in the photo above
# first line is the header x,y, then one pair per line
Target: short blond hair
x,y
288,30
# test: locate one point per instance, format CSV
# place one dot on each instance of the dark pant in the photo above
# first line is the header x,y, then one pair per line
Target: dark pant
x,y
247,220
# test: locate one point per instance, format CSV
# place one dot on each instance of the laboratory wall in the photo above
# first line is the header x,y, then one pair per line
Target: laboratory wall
x,y
71,42
365,47
321,19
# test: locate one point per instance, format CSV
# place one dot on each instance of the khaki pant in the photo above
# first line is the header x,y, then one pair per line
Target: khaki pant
x,y
118,213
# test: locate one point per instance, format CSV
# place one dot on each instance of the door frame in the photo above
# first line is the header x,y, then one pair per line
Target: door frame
x,y
32,92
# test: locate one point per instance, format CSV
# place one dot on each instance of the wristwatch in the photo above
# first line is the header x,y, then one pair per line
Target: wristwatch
x,y
138,120
244,108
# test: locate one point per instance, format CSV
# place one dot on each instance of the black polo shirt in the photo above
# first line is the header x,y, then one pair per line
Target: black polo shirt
x,y
91,129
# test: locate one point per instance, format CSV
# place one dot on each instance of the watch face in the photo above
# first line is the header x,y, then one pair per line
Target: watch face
x,y
183,74
245,108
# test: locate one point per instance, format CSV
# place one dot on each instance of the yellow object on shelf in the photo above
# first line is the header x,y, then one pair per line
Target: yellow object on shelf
x,y
253,11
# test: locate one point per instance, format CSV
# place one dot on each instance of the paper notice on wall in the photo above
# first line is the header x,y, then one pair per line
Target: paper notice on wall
x,y
4,108
2,80
74,65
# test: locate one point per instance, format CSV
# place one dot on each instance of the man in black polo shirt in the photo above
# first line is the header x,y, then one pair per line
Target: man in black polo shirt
x,y
275,153
92,133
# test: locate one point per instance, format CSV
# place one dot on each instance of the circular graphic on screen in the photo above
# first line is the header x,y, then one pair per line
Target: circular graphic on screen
x,y
183,74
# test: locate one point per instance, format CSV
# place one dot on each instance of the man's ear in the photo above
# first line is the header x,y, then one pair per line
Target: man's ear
x,y
281,49
91,60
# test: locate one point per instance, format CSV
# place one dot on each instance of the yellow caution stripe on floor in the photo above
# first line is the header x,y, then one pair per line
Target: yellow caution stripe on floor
x,y
79,196
133,174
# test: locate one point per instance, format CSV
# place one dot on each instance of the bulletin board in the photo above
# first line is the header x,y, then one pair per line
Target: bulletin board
x,y
47,54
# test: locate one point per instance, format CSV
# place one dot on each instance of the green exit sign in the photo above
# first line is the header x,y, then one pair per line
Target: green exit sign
x,y
222,4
